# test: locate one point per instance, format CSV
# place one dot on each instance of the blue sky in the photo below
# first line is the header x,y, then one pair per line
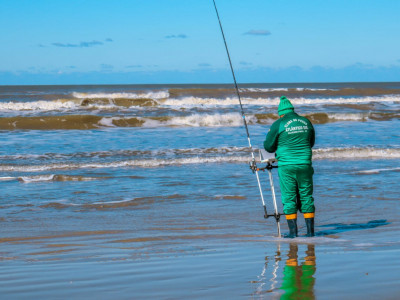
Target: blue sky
x,y
178,41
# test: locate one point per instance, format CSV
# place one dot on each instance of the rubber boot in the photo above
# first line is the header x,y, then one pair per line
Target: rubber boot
x,y
292,223
310,226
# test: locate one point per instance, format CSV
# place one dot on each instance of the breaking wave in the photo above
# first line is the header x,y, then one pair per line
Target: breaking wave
x,y
141,163
138,95
112,102
130,153
377,171
356,153
262,90
274,101
81,104
84,122
178,157
54,177
37,105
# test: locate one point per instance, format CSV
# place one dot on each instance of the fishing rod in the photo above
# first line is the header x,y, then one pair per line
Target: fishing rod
x,y
253,164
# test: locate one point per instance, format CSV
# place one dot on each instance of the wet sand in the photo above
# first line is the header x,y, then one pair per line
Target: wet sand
x,y
175,250
97,266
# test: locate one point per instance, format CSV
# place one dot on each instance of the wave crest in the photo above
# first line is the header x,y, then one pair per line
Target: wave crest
x,y
195,156
133,95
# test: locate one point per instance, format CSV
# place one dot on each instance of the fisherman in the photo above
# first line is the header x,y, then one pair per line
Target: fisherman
x,y
291,137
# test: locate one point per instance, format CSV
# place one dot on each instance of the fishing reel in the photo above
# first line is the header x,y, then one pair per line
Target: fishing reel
x,y
253,166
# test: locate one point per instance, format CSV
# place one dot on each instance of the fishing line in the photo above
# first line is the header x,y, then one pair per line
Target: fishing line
x,y
234,80
253,165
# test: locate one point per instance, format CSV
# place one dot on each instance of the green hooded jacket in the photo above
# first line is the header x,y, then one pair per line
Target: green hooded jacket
x,y
291,137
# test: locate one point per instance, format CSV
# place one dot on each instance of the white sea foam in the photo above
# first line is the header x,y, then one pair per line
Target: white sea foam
x,y
194,120
364,245
37,105
53,177
355,153
37,178
143,163
204,156
197,102
111,202
185,102
201,120
131,153
211,153
7,178
348,116
257,90
60,105
150,95
377,171
230,101
107,122
221,120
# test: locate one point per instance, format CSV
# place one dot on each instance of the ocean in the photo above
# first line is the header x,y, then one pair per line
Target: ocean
x,y
145,191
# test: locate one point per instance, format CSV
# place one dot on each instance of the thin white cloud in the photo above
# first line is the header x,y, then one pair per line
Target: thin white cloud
x,y
176,36
258,32
80,45
134,66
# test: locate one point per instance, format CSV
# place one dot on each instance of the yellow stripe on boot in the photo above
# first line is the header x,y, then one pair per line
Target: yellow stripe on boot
x,y
291,216
309,215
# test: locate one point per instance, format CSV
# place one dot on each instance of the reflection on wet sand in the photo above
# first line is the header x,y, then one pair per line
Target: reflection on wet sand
x,y
297,279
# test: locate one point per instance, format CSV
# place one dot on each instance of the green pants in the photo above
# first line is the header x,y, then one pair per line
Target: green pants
x,y
296,188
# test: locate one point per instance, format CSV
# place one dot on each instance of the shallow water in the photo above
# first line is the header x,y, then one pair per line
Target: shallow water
x,y
171,209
